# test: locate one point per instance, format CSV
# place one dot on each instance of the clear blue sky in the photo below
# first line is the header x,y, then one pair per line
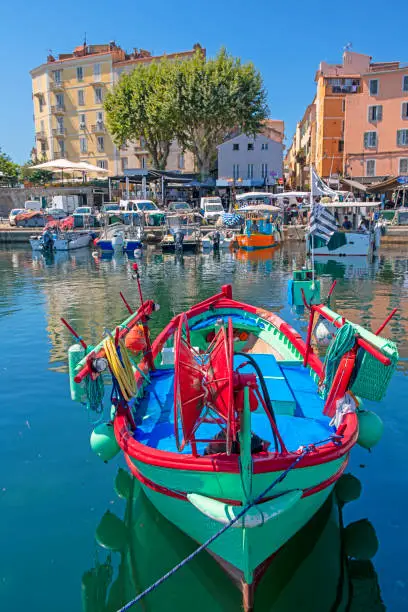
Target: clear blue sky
x,y
285,40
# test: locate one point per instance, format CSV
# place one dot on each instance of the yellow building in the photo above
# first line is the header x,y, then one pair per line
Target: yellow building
x,y
68,95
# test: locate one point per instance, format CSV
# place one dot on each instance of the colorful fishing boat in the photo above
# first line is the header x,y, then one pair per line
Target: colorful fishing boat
x,y
259,231
234,427
314,566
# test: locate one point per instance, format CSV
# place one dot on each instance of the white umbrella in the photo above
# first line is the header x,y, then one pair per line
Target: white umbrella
x,y
85,167
56,164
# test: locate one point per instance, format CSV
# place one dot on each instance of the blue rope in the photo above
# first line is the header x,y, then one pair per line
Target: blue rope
x,y
305,450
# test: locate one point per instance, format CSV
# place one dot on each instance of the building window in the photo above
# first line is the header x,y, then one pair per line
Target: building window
x,y
373,87
41,103
375,113
343,105
264,170
341,146
57,76
264,146
83,145
82,121
235,171
181,161
97,71
403,165
235,146
405,82
370,167
250,174
101,144
102,163
370,140
143,162
99,117
44,146
60,100
81,97
80,73
142,142
404,110
402,138
124,161
61,146
98,95
250,146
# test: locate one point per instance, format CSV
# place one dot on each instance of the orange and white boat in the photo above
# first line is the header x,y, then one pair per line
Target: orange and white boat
x,y
260,230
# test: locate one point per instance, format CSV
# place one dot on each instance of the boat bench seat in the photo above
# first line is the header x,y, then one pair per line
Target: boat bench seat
x,y
282,398
298,409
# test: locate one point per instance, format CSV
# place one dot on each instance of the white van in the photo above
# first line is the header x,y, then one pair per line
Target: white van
x,y
212,208
32,205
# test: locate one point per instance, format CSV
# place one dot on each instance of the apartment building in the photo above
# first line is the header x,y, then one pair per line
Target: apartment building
x,y
301,152
376,124
69,119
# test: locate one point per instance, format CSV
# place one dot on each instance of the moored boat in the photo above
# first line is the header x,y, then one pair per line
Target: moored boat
x,y
231,423
259,231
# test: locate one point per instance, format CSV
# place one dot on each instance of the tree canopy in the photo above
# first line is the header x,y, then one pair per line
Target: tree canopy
x,y
198,102
8,168
213,99
140,106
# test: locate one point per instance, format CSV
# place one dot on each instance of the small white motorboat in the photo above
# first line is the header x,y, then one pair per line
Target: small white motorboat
x,y
217,240
60,241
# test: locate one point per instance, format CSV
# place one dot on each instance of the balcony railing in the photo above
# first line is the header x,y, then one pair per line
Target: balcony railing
x,y
41,135
344,89
58,109
59,131
56,85
99,128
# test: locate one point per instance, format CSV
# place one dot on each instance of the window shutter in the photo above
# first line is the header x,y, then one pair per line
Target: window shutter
x,y
403,169
366,139
373,139
399,137
379,113
405,110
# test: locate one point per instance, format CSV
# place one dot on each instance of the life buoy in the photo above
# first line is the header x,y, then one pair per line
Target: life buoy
x,y
135,340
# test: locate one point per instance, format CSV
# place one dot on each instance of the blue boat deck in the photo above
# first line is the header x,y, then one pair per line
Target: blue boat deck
x,y
293,393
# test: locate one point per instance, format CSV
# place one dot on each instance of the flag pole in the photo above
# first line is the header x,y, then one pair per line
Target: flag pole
x,y
310,236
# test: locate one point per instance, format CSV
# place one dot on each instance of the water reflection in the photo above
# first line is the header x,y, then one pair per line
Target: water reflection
x,y
326,566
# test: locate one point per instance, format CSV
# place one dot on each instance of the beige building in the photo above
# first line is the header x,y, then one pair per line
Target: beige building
x,y
69,119
302,151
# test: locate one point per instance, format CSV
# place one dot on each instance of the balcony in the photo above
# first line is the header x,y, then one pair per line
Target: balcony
x,y
56,85
59,131
343,89
99,128
96,81
41,135
59,109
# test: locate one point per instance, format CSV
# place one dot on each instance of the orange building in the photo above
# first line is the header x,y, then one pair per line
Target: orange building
x,y
334,83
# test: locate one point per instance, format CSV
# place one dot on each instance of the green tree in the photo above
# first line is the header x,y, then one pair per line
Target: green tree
x,y
214,98
141,106
8,168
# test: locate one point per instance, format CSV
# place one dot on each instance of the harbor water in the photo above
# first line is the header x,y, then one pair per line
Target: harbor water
x,y
57,555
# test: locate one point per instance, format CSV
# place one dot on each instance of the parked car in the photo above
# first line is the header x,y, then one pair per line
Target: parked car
x,y
152,213
211,208
13,214
55,213
179,207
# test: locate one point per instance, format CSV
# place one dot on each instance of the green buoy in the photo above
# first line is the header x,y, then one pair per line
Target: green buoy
x,y
103,441
370,429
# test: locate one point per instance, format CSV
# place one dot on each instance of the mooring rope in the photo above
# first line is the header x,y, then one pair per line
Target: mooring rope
x,y
303,451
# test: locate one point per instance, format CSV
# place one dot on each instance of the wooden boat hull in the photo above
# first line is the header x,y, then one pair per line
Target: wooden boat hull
x,y
255,241
254,539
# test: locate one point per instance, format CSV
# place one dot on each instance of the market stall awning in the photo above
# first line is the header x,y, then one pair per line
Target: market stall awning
x,y
395,182
354,184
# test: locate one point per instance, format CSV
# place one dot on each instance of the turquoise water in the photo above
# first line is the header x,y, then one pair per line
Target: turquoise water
x,y
54,491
